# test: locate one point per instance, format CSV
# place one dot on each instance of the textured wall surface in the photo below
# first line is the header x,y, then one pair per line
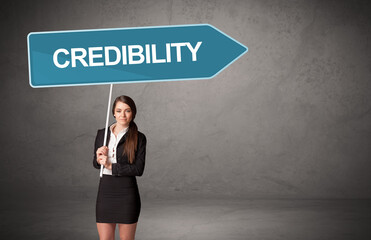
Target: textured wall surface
x,y
289,119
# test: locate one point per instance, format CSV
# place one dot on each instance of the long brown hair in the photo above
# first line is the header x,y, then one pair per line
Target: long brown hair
x,y
131,142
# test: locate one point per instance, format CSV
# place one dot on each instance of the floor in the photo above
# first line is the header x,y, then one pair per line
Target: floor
x,y
196,219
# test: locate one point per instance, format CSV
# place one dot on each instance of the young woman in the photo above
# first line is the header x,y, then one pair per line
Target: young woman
x,y
118,199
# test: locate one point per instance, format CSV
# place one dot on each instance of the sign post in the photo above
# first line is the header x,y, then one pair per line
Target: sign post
x,y
106,129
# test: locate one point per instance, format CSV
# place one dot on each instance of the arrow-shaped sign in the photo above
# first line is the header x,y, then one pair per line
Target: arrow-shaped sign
x,y
146,54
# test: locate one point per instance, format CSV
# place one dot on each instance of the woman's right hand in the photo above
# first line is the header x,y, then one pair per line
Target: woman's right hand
x,y
102,151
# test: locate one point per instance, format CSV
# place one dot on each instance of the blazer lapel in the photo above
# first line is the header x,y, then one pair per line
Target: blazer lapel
x,y
108,136
122,139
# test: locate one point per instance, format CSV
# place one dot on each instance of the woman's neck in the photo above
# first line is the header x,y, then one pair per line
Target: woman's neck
x,y
118,128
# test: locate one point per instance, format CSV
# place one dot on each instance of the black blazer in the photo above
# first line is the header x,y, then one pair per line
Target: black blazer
x,y
123,167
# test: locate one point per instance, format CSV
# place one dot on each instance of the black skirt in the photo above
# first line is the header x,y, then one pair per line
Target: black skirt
x,y
118,200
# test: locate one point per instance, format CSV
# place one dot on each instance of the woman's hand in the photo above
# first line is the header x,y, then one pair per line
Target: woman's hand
x,y
103,160
102,157
102,151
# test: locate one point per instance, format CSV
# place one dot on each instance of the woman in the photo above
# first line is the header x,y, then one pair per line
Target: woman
x,y
118,200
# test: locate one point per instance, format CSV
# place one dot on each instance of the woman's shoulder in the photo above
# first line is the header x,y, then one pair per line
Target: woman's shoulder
x,y
101,130
141,137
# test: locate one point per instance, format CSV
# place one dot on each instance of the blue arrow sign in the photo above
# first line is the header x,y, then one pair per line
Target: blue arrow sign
x,y
146,54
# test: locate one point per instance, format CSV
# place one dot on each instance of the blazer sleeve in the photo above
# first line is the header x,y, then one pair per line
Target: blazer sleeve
x,y
137,168
96,146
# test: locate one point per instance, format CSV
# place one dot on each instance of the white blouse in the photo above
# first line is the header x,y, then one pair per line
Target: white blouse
x,y
112,146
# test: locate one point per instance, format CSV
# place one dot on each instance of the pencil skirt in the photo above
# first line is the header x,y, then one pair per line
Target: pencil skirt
x,y
118,200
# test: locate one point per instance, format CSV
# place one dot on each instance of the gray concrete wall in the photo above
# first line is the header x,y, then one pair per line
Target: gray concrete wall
x,y
289,119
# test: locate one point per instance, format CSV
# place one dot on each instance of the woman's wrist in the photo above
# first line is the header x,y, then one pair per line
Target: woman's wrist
x,y
108,166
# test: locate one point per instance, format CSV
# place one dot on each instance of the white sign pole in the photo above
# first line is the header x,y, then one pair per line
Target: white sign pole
x,y
106,130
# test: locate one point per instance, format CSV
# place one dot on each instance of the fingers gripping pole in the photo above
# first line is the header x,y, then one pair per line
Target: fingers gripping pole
x,y
106,130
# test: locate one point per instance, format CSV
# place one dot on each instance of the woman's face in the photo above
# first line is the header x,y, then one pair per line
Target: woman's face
x,y
123,113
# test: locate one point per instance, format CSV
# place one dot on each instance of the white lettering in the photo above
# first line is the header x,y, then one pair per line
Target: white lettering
x,y
194,50
80,58
124,61
148,54
154,57
106,55
132,54
178,52
92,56
55,58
